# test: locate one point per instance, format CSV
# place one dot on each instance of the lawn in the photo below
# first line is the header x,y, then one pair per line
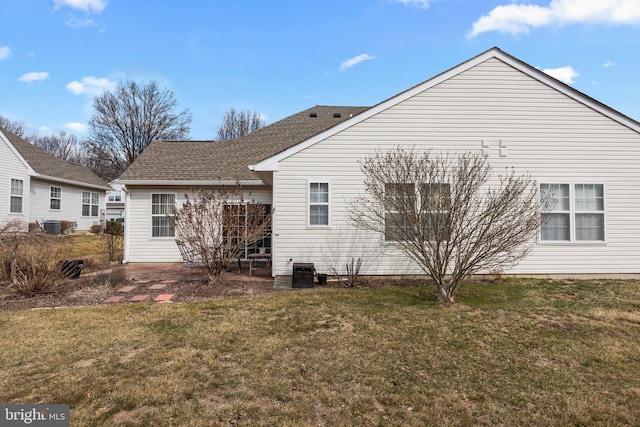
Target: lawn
x,y
513,353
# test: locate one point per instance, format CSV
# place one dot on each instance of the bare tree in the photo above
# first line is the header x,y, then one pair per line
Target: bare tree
x,y
16,127
64,146
238,123
217,226
443,212
127,119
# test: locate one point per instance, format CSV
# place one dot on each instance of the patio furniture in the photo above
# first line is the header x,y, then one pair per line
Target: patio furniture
x,y
189,257
259,262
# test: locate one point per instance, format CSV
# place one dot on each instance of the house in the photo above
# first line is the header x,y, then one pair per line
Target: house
x,y
307,167
115,203
36,186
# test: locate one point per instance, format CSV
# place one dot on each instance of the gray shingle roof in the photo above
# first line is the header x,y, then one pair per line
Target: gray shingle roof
x,y
50,166
229,160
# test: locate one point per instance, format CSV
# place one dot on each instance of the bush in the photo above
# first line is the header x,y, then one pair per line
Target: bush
x,y
33,263
67,226
35,227
96,229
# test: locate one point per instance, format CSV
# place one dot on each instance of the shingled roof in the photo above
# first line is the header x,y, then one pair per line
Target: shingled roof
x,y
228,161
51,167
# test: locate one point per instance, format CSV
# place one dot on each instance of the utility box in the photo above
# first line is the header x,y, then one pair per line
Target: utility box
x,y
52,227
302,275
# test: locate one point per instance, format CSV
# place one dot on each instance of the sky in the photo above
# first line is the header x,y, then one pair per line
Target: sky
x,y
280,57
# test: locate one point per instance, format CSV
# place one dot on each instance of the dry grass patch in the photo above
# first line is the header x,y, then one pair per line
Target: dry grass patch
x,y
510,353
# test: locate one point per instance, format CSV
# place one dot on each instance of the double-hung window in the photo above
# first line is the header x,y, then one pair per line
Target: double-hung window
x,y
575,213
318,204
15,202
55,198
90,203
162,213
400,202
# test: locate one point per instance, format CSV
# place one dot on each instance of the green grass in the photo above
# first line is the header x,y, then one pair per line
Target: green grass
x,y
520,352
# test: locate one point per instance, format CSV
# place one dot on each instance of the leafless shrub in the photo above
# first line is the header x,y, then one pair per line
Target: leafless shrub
x,y
66,226
96,229
35,264
219,225
445,214
353,271
112,240
112,277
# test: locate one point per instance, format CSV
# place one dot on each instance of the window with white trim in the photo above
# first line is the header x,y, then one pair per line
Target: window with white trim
x,y
575,214
430,206
90,203
162,214
55,198
115,196
17,192
318,204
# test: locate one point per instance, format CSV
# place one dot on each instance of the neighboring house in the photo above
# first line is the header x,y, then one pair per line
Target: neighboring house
x,y
115,203
307,167
36,186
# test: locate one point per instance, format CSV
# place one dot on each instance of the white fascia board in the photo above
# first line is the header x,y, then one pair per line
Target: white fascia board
x,y
30,170
72,182
186,183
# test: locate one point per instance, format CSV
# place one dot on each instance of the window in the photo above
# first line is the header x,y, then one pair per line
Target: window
x,y
235,223
575,214
396,221
318,204
17,188
115,196
90,203
405,208
162,208
55,198
435,202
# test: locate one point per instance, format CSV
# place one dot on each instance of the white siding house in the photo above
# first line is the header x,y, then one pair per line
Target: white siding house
x,y
35,186
521,117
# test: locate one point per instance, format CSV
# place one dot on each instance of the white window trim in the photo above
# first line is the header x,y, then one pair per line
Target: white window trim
x,y
308,203
21,213
91,204
175,201
112,195
572,214
55,198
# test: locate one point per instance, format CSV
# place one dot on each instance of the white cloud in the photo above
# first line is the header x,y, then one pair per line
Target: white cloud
x,y
420,3
75,127
608,64
45,131
90,86
80,23
5,52
520,18
564,74
355,60
33,77
89,6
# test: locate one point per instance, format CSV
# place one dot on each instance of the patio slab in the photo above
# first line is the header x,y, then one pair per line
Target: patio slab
x,y
125,289
164,297
138,298
114,299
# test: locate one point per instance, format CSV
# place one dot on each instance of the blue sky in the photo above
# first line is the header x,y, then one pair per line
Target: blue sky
x,y
280,57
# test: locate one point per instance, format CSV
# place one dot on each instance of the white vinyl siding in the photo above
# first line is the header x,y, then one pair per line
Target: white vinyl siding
x,y
162,208
16,199
141,246
549,135
55,201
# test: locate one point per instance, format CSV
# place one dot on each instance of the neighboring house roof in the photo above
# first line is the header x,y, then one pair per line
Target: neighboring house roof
x,y
270,164
228,161
47,166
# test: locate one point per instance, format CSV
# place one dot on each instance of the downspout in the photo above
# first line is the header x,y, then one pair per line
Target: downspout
x,y
127,224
